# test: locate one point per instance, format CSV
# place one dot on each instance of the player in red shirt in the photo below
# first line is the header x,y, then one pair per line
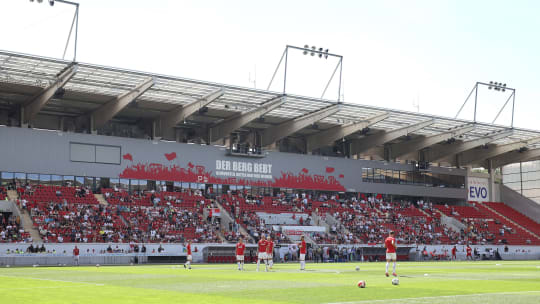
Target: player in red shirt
x,y
261,256
390,244
269,252
454,250
303,249
76,256
469,252
189,257
240,248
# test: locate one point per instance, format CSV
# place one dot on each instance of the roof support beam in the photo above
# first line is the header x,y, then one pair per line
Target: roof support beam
x,y
477,156
169,120
364,144
39,101
409,147
329,136
224,128
275,133
440,152
106,112
515,157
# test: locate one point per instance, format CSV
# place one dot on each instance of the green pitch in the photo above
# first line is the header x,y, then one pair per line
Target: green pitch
x,y
437,282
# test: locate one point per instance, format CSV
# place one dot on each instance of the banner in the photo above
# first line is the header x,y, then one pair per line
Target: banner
x,y
215,212
298,230
478,189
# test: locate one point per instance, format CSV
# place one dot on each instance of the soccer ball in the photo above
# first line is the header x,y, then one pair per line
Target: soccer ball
x,y
362,284
97,265
395,281
7,266
357,268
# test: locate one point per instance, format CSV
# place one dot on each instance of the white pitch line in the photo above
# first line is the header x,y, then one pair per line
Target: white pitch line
x,y
52,280
438,297
30,288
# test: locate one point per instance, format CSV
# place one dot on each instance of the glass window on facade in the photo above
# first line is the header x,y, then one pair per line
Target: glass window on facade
x,y
124,184
410,178
20,178
403,177
56,180
185,186
79,181
89,182
69,180
33,179
134,185
45,179
365,174
143,185
114,182
177,186
370,173
395,180
7,178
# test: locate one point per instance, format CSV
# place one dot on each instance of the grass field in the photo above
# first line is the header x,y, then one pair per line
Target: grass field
x,y
432,282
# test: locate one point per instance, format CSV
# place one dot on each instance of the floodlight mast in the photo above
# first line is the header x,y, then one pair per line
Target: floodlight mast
x,y
322,53
75,23
496,86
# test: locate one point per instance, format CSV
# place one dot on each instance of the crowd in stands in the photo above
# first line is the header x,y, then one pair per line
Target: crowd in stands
x,y
3,193
73,214
11,230
153,217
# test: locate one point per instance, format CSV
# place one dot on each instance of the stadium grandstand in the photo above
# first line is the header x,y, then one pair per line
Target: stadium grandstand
x,y
115,159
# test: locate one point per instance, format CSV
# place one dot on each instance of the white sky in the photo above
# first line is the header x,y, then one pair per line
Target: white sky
x,y
396,53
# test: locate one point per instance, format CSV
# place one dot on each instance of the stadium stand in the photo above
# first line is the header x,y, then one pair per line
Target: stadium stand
x,y
73,214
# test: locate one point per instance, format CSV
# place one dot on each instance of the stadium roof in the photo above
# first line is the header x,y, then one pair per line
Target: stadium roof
x,y
22,76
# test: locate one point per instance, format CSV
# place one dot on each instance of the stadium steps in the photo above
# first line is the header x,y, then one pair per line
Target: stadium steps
x,y
493,211
221,237
28,226
12,195
319,221
331,220
101,199
425,213
225,213
382,214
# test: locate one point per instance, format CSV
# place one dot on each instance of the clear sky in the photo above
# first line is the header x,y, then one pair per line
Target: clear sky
x,y
397,54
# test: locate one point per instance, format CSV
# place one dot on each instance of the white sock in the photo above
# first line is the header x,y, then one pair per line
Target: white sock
x,y
242,265
271,263
266,265
238,265
394,267
258,264
387,267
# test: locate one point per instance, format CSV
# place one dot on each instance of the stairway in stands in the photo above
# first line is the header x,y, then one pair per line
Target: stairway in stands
x,y
489,207
226,217
26,221
101,199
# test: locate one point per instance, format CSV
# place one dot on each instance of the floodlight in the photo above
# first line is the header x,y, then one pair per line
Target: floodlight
x,y
320,52
51,2
306,47
313,48
39,1
326,55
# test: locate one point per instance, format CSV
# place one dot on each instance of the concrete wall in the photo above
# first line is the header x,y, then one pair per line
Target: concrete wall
x,y
515,252
48,152
522,204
